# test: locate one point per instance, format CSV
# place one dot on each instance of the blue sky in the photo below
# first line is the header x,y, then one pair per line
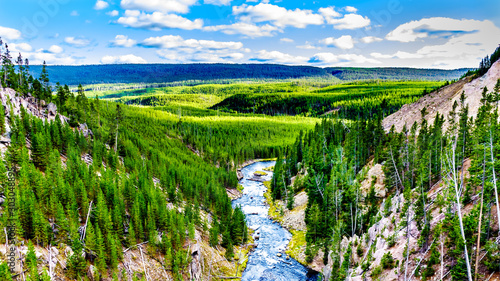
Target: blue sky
x,y
410,33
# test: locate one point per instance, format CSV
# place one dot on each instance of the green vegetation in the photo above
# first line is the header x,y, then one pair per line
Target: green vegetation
x,y
350,100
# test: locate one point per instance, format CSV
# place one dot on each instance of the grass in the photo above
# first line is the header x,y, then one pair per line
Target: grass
x,y
269,169
297,245
260,173
273,212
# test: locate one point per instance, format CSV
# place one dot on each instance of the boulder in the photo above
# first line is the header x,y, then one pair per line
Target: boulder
x,y
84,129
52,109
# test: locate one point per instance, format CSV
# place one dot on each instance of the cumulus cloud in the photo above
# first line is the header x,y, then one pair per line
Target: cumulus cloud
x,y
350,9
157,21
50,58
122,59
278,57
123,41
343,59
349,21
218,2
344,42
74,13
461,42
9,33
113,13
308,46
274,19
329,12
20,47
176,49
277,15
55,49
101,5
370,39
172,41
247,29
77,42
165,6
200,57
286,40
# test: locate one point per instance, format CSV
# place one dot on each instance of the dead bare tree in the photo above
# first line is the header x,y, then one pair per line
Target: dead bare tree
x,y
494,175
454,179
480,216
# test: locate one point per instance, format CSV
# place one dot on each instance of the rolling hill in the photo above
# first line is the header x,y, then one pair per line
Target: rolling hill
x,y
160,73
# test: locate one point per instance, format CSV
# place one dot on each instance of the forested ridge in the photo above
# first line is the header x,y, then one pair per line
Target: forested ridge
x,y
162,73
350,100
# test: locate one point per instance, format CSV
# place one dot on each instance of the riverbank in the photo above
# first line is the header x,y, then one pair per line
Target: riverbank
x,y
269,259
294,221
239,174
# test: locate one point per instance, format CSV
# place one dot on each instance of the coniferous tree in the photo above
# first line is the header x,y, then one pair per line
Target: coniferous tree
x,y
214,235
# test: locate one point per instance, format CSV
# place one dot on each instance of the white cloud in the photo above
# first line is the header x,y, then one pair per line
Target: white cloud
x,y
308,46
113,13
247,29
122,59
343,59
461,42
370,39
277,15
20,47
165,6
278,57
101,5
53,56
157,21
218,2
50,58
55,49
123,41
329,12
439,26
171,41
286,40
349,21
201,57
344,42
350,9
9,33
74,13
77,42
381,56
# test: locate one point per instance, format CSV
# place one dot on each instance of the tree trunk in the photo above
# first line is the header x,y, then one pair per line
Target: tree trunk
x,y
478,245
454,179
494,176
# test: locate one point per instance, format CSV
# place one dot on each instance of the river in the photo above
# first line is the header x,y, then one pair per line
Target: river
x,y
264,262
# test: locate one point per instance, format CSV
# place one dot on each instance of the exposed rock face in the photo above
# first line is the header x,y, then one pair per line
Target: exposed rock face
x,y
374,174
84,129
442,101
195,266
52,109
13,102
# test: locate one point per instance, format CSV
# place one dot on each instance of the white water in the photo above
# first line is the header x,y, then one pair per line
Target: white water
x,y
264,263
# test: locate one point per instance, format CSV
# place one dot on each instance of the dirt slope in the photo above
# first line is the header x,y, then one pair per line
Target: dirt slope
x,y
442,100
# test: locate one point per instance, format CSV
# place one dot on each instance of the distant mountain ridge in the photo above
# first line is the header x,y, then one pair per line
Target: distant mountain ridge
x,y
160,73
